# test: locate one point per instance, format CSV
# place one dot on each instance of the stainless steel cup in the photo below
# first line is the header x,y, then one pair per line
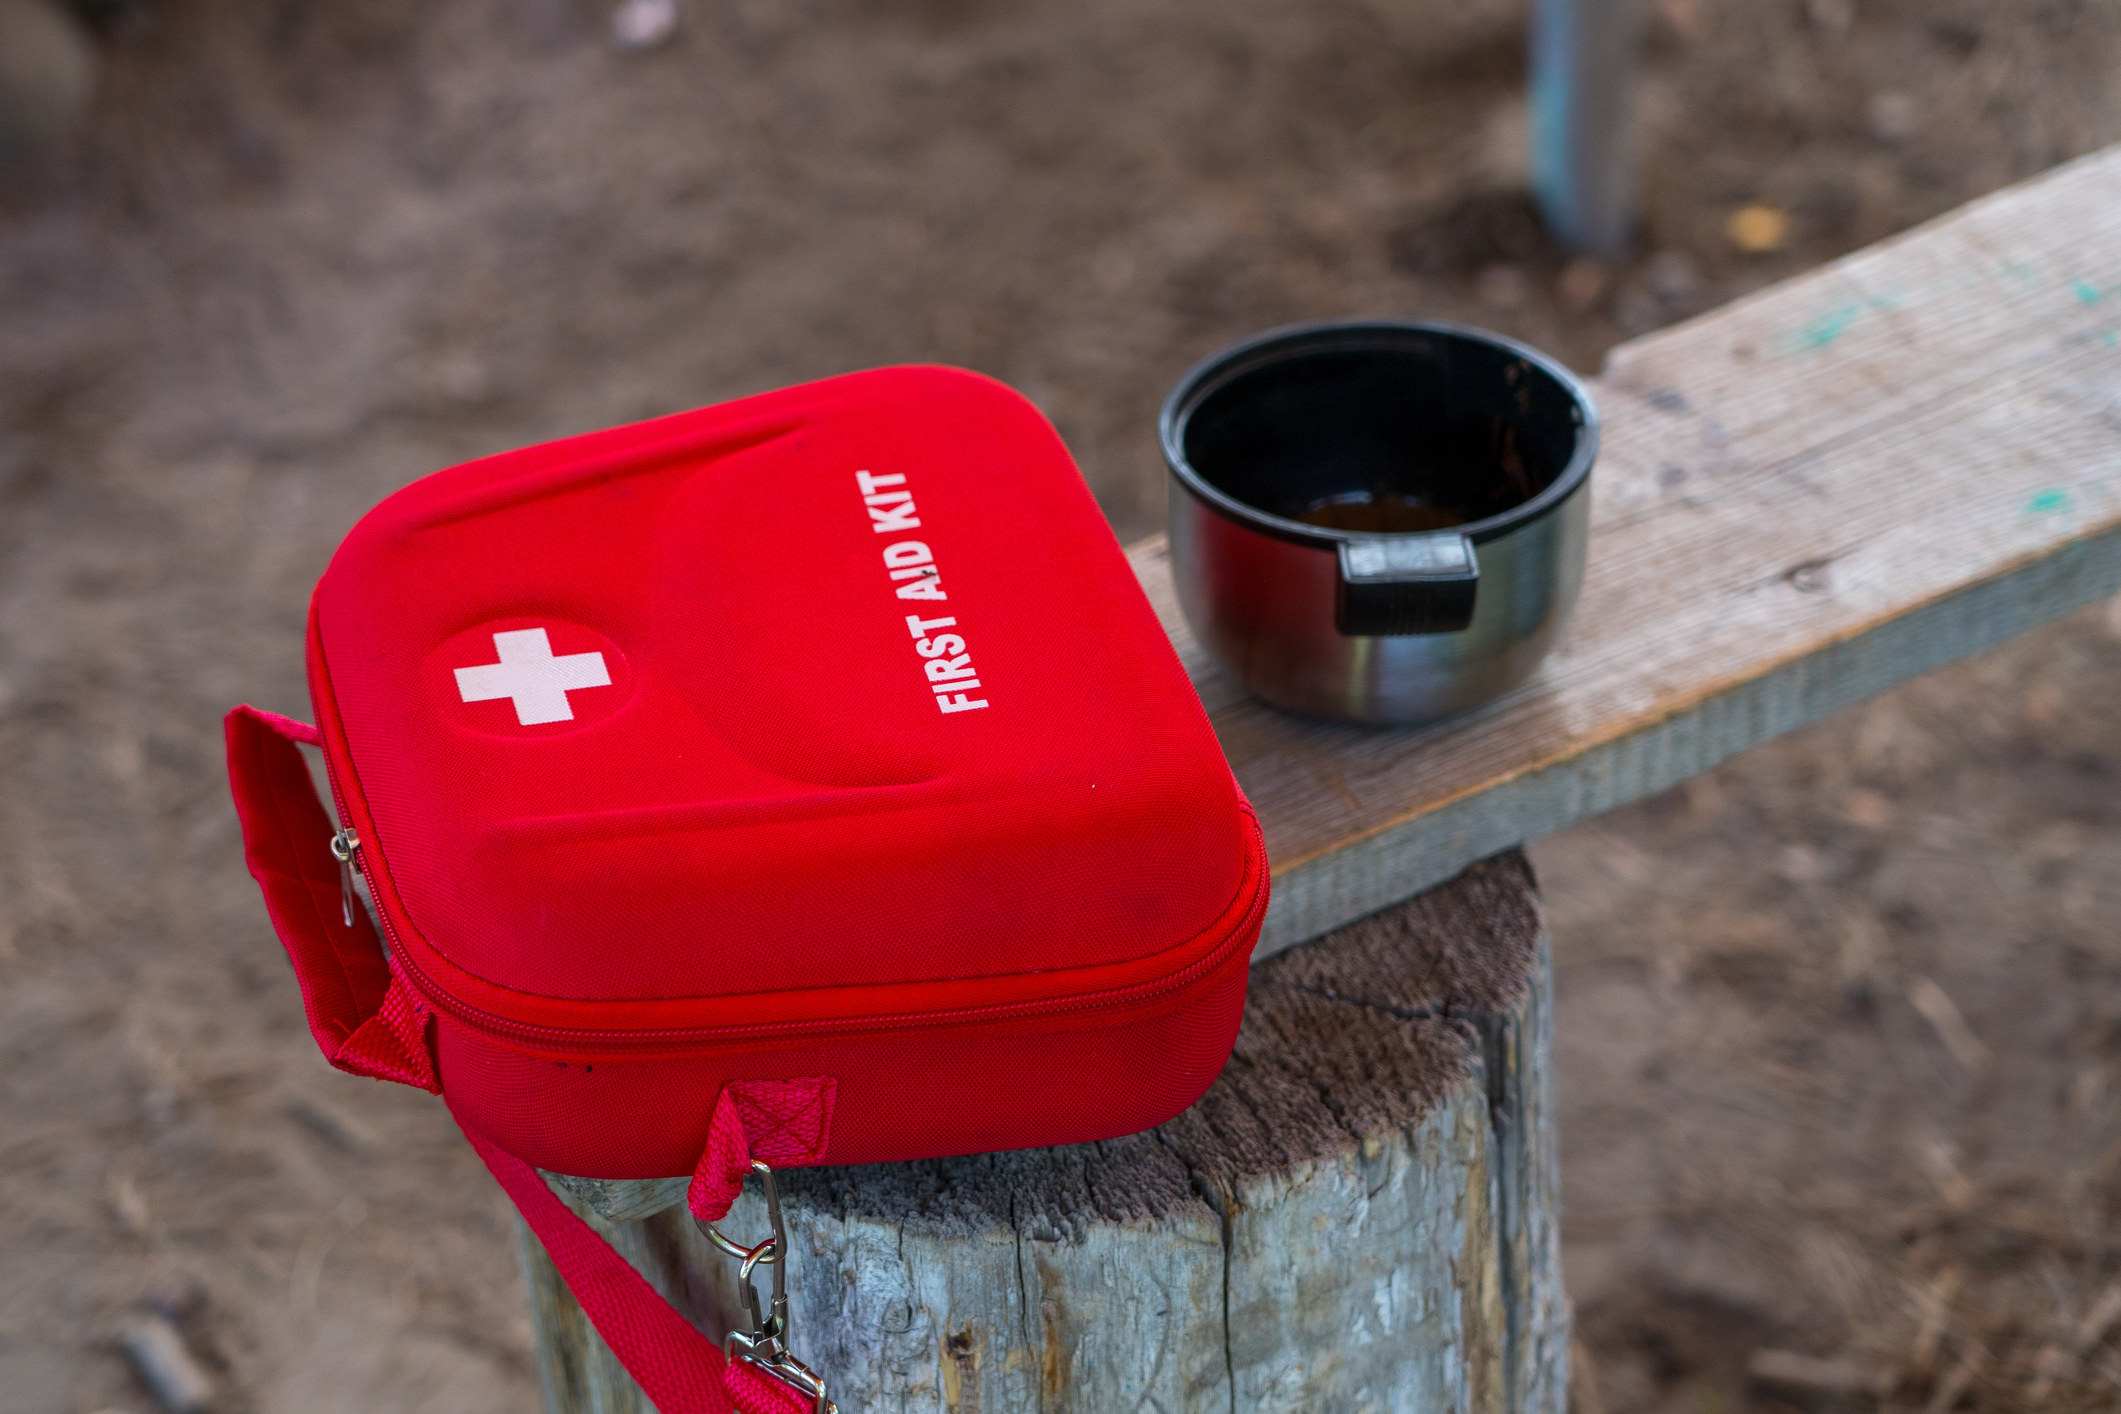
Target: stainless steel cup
x,y
1379,521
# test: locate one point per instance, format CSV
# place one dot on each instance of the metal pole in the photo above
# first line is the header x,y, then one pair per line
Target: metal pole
x,y
1584,130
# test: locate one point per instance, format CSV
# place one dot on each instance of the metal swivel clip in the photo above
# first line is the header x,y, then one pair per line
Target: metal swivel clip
x,y
765,1342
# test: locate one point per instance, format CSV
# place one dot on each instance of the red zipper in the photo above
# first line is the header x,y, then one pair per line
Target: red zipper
x,y
686,1037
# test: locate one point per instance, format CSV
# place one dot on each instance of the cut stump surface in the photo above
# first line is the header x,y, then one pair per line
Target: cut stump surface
x,y
1360,1214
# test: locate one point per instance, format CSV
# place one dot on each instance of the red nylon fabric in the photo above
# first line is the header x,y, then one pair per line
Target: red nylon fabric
x,y
724,1163
646,748
756,1392
679,1369
392,1044
369,1023
758,722
907,1094
805,778
363,1018
787,1123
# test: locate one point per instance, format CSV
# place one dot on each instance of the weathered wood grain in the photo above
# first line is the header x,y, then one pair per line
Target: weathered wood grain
x,y
1804,498
1360,1214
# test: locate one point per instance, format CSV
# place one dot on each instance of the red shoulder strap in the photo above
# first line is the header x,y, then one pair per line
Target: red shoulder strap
x,y
367,1021
679,1369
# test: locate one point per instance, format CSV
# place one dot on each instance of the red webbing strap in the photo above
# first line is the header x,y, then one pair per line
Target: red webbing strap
x,y
787,1123
364,1018
367,1021
680,1370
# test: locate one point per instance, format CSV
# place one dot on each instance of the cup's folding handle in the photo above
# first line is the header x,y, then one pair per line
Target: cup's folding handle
x,y
1405,584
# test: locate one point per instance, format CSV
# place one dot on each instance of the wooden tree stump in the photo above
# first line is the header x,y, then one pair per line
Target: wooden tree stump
x,y
1360,1214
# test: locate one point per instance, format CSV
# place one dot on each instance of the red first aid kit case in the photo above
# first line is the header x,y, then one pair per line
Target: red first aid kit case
x,y
804,779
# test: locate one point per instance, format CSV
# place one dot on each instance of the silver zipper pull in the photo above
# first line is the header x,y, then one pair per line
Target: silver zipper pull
x,y
343,845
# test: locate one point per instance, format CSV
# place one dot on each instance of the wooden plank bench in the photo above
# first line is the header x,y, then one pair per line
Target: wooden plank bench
x,y
1804,498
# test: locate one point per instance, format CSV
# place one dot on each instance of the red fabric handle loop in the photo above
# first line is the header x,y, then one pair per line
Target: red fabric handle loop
x,y
787,1123
363,1016
370,1022
367,1021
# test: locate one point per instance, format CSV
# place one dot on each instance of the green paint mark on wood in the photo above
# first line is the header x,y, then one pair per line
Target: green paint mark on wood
x,y
2049,503
1828,326
2086,292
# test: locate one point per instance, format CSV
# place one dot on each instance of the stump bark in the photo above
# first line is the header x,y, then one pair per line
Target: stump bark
x,y
1360,1214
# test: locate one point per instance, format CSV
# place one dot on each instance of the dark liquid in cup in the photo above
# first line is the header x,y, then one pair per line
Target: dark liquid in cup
x,y
1386,513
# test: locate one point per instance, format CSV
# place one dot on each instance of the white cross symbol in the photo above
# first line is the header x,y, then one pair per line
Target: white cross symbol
x,y
529,673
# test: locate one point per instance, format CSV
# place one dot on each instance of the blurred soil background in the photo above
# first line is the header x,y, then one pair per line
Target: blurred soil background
x,y
1839,1022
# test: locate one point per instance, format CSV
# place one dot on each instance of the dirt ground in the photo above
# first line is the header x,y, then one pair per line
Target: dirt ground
x,y
1839,1022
